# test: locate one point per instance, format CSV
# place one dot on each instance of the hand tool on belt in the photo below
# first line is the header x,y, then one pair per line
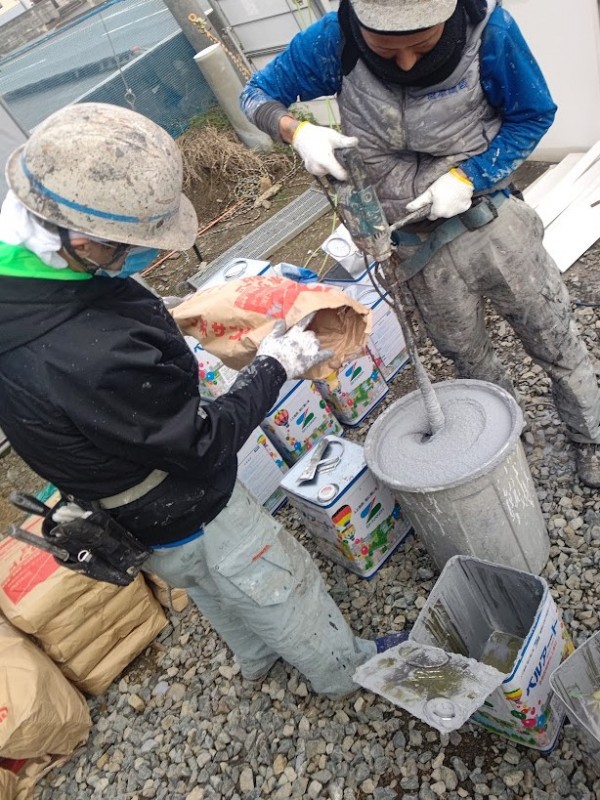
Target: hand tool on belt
x,y
90,542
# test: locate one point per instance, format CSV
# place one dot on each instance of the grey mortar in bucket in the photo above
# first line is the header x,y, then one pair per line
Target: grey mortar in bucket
x,y
467,490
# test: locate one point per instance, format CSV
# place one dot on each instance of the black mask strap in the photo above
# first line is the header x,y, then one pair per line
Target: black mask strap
x,y
89,266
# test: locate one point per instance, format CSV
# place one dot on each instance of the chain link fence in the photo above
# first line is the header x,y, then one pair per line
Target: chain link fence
x,y
128,52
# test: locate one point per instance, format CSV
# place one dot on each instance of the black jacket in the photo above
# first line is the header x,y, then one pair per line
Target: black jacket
x,y
98,388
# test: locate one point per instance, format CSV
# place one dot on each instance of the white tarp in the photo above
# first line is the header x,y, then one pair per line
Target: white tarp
x,y
11,136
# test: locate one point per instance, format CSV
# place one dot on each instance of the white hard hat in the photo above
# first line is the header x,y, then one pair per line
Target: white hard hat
x,y
105,171
398,16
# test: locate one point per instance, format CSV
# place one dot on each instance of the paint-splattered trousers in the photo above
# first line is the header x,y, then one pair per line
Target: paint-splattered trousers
x,y
261,591
505,261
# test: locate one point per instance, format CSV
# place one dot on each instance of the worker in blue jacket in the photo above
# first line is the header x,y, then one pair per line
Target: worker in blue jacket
x,y
445,101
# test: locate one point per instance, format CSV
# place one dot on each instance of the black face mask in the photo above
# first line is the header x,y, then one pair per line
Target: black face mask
x,y
432,68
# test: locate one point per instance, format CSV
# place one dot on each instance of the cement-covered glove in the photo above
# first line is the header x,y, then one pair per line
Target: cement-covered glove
x,y
315,145
449,195
297,350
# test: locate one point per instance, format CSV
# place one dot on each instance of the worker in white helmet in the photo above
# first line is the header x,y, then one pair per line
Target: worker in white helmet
x,y
100,391
445,101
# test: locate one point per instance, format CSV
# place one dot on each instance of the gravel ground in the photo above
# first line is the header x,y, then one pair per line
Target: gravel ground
x,y
181,724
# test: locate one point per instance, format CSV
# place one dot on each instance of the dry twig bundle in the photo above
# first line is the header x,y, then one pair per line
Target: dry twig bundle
x,y
212,157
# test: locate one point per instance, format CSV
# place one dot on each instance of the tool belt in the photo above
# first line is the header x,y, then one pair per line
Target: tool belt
x,y
483,211
89,541
99,547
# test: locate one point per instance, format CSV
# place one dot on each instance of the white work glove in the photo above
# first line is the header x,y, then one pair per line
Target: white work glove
x,y
449,195
297,350
315,145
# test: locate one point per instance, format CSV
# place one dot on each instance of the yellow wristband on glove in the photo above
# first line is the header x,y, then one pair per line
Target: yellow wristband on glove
x,y
303,124
458,173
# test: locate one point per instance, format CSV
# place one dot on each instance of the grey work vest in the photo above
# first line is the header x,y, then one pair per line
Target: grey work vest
x,y
410,136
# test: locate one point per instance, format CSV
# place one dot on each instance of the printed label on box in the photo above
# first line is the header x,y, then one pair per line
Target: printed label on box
x,y
354,390
523,708
260,469
300,417
214,377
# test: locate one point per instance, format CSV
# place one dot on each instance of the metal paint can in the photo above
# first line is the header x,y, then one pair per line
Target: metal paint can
x,y
234,269
260,470
471,603
350,262
576,683
354,390
356,522
468,489
299,418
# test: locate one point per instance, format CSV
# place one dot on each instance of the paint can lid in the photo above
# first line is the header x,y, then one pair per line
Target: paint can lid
x,y
440,688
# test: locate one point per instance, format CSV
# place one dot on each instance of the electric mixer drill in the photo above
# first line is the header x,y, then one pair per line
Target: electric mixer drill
x,y
355,201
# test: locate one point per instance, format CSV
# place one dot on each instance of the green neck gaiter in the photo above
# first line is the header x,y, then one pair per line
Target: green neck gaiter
x,y
18,262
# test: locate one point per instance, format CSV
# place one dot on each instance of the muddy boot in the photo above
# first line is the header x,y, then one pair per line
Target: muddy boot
x,y
587,457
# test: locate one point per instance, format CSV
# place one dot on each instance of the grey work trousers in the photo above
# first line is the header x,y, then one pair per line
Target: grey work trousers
x,y
261,591
505,261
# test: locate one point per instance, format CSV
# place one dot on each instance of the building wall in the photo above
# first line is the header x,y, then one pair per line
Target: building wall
x,y
9,9
565,39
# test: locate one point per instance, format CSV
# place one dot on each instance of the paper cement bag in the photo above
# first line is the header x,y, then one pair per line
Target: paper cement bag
x,y
85,627
18,778
103,674
172,599
231,320
33,587
8,785
169,597
41,712
120,631
82,624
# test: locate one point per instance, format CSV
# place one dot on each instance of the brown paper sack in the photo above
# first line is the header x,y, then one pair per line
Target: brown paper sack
x,y
8,785
231,320
80,623
22,782
168,597
126,637
100,678
40,712
34,589
83,627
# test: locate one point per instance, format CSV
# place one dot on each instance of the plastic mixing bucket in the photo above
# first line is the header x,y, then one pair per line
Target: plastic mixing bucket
x,y
468,489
